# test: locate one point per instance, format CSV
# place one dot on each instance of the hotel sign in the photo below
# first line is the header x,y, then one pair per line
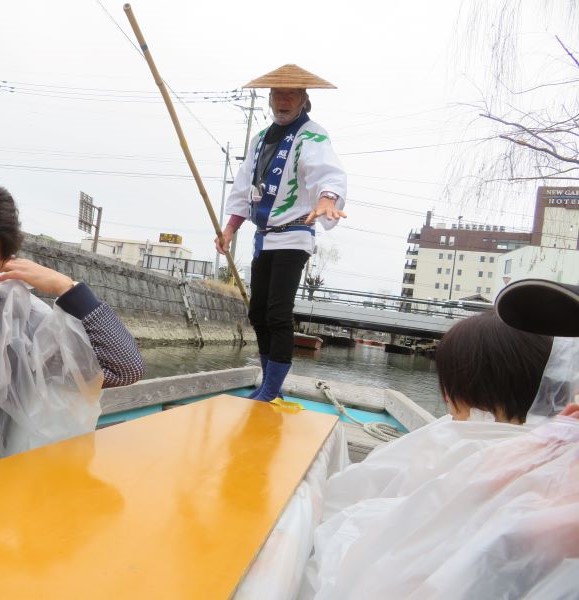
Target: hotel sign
x,y
564,197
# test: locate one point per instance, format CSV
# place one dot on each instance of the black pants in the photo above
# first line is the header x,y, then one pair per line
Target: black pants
x,y
275,277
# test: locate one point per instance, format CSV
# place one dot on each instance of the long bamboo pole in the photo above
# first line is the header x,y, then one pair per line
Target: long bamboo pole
x,y
169,104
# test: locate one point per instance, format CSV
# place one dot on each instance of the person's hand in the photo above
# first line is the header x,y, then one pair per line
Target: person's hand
x,y
42,278
223,247
571,410
326,208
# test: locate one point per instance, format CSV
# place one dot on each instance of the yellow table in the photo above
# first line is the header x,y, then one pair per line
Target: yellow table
x,y
173,505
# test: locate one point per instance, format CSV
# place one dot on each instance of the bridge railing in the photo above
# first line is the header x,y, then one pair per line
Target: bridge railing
x,y
454,309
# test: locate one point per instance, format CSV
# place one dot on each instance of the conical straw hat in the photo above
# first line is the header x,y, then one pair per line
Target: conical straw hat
x,y
289,76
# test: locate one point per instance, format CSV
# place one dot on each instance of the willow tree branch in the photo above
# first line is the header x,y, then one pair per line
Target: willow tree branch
x,y
539,149
569,53
521,127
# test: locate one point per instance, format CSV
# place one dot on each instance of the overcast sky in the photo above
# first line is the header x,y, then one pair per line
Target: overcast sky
x,y
79,110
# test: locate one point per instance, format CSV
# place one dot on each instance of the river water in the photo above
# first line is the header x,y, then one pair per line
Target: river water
x,y
414,376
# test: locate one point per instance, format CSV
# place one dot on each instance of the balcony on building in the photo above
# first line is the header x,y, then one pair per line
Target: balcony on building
x,y
413,236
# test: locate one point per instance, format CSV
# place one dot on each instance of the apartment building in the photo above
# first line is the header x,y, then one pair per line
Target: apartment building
x,y
133,251
165,257
461,260
456,261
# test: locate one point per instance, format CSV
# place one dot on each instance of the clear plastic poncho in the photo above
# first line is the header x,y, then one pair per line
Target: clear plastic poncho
x,y
277,570
50,382
502,523
560,382
471,510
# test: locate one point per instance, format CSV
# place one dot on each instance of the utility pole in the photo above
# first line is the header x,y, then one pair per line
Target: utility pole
x,y
245,150
217,255
249,121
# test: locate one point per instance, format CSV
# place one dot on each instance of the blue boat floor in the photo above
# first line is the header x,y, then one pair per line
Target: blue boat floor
x,y
360,415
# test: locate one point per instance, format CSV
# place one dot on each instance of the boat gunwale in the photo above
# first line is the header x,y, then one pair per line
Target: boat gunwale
x,y
166,390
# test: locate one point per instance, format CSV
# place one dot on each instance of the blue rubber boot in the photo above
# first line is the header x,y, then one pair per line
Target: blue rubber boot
x,y
264,358
274,378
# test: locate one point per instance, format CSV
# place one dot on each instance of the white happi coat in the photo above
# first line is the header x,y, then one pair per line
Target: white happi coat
x,y
318,170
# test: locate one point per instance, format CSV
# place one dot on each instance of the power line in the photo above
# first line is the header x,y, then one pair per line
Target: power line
x,y
102,172
418,213
464,249
362,275
132,157
136,97
116,91
450,218
132,225
177,160
516,192
404,148
149,175
179,176
383,117
138,50
423,260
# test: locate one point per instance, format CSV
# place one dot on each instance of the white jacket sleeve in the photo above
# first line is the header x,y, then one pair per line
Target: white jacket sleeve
x,y
238,200
322,172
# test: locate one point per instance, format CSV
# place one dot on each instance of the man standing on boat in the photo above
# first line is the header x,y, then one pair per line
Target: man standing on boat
x,y
290,177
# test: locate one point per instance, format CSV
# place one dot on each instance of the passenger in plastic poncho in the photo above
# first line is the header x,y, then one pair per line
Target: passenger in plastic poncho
x,y
486,366
472,509
54,362
290,177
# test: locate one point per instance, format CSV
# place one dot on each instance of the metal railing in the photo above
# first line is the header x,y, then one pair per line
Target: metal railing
x,y
446,308
191,269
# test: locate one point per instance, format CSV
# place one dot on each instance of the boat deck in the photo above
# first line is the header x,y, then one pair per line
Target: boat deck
x,y
158,394
174,505
360,443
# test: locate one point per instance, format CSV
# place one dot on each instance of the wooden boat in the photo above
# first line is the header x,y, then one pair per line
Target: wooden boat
x,y
399,349
410,345
374,343
401,344
155,395
302,340
338,340
204,501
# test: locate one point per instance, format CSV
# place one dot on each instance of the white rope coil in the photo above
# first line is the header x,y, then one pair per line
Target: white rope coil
x,y
381,431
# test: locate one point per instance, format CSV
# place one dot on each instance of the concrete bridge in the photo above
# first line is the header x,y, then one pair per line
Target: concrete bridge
x,y
388,319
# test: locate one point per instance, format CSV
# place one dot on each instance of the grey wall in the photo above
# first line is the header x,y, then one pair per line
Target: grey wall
x,y
150,304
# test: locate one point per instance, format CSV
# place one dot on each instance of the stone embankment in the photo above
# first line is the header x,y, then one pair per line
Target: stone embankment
x,y
150,304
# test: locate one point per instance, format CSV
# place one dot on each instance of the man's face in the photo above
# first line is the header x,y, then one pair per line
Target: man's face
x,y
286,104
